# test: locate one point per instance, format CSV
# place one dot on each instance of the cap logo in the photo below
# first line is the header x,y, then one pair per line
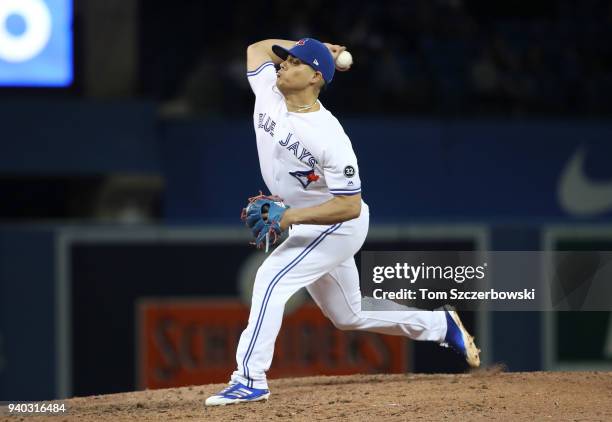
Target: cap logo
x,y
300,42
316,62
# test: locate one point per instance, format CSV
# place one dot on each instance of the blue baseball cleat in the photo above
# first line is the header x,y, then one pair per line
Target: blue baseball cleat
x,y
237,393
458,339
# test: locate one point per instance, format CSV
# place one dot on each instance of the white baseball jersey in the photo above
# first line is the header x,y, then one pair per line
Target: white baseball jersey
x,y
305,158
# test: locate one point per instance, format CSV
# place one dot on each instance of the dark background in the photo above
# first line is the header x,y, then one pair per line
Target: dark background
x,y
465,116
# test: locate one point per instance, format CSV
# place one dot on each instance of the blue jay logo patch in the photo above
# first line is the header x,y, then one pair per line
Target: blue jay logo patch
x,y
306,177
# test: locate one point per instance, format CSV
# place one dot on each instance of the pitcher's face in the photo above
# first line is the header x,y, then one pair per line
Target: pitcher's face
x,y
294,75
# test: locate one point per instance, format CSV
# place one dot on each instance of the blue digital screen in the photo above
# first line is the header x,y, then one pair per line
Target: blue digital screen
x,y
36,43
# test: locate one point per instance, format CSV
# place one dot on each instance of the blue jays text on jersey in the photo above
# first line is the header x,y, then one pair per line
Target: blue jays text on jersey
x,y
301,154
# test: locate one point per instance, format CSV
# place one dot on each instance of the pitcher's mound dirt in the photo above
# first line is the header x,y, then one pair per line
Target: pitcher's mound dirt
x,y
485,395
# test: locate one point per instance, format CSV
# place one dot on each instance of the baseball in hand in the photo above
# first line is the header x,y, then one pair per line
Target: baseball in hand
x,y
344,60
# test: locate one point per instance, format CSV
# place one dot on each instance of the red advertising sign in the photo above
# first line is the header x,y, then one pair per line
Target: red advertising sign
x,y
190,342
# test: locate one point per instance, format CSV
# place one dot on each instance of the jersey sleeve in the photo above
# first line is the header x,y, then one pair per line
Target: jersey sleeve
x,y
341,171
263,78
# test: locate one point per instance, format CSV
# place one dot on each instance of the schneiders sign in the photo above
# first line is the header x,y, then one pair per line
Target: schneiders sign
x,y
192,342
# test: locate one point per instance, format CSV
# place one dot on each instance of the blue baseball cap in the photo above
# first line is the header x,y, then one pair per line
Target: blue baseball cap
x,y
313,53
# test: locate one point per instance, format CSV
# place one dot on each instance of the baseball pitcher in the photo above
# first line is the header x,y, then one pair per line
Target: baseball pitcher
x,y
310,168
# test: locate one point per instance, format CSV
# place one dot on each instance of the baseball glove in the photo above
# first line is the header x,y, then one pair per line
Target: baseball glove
x,y
266,229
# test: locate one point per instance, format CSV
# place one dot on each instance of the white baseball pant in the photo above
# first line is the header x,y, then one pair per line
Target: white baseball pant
x,y
319,258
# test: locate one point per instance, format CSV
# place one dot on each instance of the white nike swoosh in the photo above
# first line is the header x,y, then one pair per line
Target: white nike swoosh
x,y
578,194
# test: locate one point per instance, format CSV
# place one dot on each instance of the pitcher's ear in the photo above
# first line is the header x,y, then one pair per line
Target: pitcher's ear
x,y
318,78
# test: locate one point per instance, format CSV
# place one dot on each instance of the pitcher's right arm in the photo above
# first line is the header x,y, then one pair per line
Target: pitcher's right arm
x,y
261,52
